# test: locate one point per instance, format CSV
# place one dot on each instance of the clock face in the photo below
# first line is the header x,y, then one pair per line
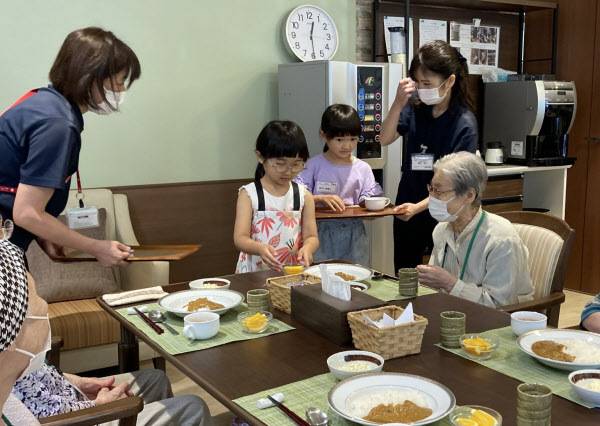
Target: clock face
x,y
311,34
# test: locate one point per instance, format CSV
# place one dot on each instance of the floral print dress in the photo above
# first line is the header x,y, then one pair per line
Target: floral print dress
x,y
276,221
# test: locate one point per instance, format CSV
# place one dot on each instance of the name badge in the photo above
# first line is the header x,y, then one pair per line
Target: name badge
x,y
326,188
422,162
86,217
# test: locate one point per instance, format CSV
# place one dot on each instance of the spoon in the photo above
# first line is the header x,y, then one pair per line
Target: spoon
x,y
316,417
158,316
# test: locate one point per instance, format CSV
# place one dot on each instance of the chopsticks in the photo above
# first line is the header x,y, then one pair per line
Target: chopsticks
x,y
149,322
288,412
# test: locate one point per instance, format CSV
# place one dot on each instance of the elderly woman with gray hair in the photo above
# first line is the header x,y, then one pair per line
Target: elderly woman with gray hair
x,y
476,255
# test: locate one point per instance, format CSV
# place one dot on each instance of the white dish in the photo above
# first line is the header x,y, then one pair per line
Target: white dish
x,y
360,272
175,302
523,322
593,397
439,398
198,284
336,361
361,286
526,340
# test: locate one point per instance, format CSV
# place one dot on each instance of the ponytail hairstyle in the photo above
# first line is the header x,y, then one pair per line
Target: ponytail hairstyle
x,y
439,57
339,120
280,139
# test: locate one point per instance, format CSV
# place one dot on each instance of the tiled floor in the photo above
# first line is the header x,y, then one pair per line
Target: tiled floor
x,y
569,316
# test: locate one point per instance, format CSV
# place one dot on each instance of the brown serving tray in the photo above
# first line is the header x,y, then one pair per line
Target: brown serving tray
x,y
167,253
355,211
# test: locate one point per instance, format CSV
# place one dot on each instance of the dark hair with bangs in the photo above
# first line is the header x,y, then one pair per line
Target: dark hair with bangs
x,y
279,139
89,56
439,57
339,120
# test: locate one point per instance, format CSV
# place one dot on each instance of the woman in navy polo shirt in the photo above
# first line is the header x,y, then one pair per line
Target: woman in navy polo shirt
x,y
439,123
40,140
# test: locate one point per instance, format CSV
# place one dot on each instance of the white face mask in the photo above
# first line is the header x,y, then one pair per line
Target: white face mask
x,y
37,360
432,96
438,210
115,99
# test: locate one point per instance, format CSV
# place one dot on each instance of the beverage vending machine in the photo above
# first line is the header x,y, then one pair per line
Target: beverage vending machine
x,y
307,89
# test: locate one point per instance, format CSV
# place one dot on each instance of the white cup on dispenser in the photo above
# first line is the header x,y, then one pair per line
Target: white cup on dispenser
x,y
376,203
201,325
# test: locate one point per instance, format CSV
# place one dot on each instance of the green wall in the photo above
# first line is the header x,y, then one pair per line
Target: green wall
x,y
209,80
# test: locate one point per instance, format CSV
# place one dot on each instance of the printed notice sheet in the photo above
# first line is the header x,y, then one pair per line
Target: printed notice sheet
x,y
430,30
480,45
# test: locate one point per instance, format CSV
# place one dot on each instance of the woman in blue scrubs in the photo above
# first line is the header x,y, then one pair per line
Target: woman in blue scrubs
x,y
40,140
437,122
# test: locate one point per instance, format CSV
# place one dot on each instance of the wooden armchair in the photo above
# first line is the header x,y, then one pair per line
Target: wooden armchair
x,y
125,410
548,239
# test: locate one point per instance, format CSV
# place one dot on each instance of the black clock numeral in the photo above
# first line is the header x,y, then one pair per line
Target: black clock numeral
x,y
321,54
328,36
312,55
297,45
318,18
308,15
296,25
325,26
304,52
326,47
293,34
300,17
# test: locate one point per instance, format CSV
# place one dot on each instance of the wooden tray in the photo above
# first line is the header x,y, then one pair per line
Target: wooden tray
x,y
355,211
167,253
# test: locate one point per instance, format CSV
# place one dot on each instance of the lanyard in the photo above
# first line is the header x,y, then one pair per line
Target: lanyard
x,y
80,195
462,274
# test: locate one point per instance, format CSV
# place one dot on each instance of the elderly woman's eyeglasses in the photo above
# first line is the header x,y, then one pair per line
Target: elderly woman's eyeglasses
x,y
6,228
436,192
282,166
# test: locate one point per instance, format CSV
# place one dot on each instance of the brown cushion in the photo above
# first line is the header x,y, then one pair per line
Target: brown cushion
x,y
57,282
82,323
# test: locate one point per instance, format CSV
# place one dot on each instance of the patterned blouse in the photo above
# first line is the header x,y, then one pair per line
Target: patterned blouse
x,y
47,392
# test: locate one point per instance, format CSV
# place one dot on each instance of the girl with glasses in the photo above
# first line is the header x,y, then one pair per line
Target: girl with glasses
x,y
275,217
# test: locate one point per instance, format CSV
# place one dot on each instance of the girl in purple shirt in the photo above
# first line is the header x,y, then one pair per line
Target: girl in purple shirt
x,y
338,179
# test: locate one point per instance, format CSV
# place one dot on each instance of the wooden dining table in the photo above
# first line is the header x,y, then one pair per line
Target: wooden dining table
x,y
244,368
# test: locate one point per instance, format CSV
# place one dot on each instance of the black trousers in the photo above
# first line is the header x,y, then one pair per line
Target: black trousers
x,y
411,239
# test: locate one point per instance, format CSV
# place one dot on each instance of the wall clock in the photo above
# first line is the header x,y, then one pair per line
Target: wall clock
x,y
311,34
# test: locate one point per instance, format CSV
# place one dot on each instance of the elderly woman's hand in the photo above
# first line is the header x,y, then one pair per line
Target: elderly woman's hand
x,y
436,277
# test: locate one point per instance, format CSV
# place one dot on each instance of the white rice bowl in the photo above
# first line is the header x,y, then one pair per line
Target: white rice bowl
x,y
583,352
361,404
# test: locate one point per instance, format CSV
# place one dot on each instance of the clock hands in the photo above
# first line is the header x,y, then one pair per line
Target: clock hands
x,y
312,42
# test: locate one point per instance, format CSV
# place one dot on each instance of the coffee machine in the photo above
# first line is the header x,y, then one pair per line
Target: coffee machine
x,y
531,119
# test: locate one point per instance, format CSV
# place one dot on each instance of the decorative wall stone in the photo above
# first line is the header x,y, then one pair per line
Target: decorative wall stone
x,y
364,30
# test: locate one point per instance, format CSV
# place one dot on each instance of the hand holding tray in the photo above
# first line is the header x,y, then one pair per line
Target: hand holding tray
x,y
167,253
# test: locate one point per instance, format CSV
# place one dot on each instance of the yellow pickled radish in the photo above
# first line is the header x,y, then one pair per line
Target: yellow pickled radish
x,y
482,418
255,322
466,422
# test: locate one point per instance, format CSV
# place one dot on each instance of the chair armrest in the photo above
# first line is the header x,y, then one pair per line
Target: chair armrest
x,y
126,408
123,224
546,302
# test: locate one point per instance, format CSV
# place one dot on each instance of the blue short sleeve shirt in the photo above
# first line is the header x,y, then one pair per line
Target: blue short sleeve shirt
x,y
40,140
452,131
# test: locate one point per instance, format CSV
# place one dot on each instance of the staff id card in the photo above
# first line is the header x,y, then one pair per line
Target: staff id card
x,y
422,162
326,188
82,218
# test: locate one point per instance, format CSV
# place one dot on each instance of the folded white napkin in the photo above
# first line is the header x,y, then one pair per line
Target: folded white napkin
x,y
133,296
334,285
266,402
387,321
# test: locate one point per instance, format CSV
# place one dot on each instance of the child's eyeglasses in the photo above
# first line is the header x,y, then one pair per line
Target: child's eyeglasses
x,y
283,167
6,229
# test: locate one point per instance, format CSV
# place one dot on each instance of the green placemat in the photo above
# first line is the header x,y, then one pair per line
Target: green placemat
x,y
513,362
387,290
298,397
230,331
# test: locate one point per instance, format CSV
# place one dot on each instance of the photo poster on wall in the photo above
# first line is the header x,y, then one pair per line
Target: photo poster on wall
x,y
479,44
397,21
